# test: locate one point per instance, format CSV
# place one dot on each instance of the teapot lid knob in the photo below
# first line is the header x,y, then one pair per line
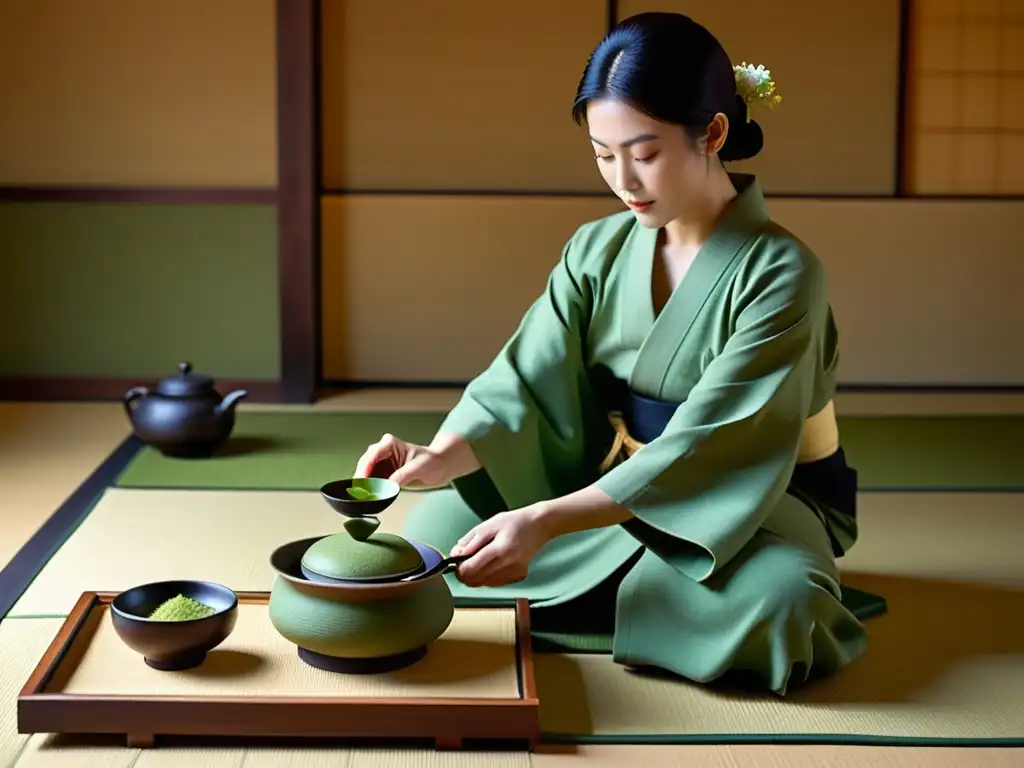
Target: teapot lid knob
x,y
187,383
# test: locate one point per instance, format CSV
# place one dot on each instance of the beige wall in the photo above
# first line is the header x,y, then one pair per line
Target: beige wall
x,y
120,92
460,95
925,292
138,93
414,305
836,65
456,94
467,95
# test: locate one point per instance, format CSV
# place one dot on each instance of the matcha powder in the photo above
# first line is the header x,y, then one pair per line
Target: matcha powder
x,y
181,608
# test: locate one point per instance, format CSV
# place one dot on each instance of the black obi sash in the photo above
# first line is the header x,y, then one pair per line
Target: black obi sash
x,y
829,481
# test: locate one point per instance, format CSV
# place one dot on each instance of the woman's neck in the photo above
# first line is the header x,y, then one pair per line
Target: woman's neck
x,y
698,221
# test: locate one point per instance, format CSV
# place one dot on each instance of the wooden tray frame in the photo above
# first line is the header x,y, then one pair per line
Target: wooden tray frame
x,y
446,721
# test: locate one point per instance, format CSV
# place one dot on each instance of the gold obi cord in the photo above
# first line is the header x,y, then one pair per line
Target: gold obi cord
x,y
819,440
624,445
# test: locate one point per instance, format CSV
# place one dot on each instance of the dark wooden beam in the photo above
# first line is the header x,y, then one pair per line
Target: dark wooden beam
x,y
905,95
297,205
27,388
612,10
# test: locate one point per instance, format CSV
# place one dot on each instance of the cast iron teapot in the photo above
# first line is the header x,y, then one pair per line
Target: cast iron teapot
x,y
185,417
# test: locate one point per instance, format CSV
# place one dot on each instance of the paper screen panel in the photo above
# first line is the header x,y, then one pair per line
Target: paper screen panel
x,y
456,94
837,70
117,92
428,288
966,88
925,291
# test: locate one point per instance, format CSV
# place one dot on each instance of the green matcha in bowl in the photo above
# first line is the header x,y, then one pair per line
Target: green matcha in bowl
x,y
174,624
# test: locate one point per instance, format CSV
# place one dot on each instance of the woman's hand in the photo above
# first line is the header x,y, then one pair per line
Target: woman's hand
x,y
445,459
401,461
501,548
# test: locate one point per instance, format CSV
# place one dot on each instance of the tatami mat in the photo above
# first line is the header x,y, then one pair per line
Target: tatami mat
x,y
945,663
954,536
139,535
281,451
22,644
50,752
942,651
44,752
966,537
775,756
46,451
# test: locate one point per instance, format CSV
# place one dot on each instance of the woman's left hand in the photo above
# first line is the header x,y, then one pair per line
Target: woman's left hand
x,y
501,548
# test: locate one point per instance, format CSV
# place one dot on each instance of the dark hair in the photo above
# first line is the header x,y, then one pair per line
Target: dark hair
x,y
671,68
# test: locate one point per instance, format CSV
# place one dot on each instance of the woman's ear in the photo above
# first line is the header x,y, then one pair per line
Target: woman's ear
x,y
714,137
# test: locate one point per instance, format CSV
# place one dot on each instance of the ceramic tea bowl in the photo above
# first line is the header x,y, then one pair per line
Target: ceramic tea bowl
x,y
173,645
360,496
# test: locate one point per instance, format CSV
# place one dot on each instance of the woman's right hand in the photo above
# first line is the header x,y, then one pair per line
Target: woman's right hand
x,y
406,463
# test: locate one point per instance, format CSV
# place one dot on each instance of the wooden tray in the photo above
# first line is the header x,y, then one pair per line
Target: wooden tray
x,y
89,682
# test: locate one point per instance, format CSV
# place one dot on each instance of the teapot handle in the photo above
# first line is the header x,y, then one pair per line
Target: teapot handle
x,y
131,396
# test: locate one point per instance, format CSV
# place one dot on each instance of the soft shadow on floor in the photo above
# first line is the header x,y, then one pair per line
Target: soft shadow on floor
x,y
451,660
226,664
933,632
932,628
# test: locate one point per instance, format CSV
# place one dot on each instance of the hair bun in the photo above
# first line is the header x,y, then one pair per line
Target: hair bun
x,y
745,138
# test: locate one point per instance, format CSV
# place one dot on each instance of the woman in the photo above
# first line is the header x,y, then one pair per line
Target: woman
x,y
657,437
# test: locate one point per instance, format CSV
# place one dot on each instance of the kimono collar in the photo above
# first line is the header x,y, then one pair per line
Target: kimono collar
x,y
746,214
665,333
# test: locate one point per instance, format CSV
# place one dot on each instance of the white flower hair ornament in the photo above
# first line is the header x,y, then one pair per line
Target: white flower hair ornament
x,y
755,86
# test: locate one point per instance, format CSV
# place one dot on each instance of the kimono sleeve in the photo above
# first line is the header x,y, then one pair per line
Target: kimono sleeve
x,y
701,489
525,415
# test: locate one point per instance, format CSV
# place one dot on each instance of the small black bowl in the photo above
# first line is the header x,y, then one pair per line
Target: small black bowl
x,y
173,645
337,495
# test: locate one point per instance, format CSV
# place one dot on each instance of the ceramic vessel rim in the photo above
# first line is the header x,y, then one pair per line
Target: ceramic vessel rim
x,y
160,623
397,581
348,481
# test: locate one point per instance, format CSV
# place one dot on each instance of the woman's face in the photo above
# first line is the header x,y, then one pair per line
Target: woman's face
x,y
654,167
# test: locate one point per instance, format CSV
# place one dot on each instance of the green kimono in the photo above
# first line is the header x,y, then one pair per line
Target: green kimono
x,y
721,568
